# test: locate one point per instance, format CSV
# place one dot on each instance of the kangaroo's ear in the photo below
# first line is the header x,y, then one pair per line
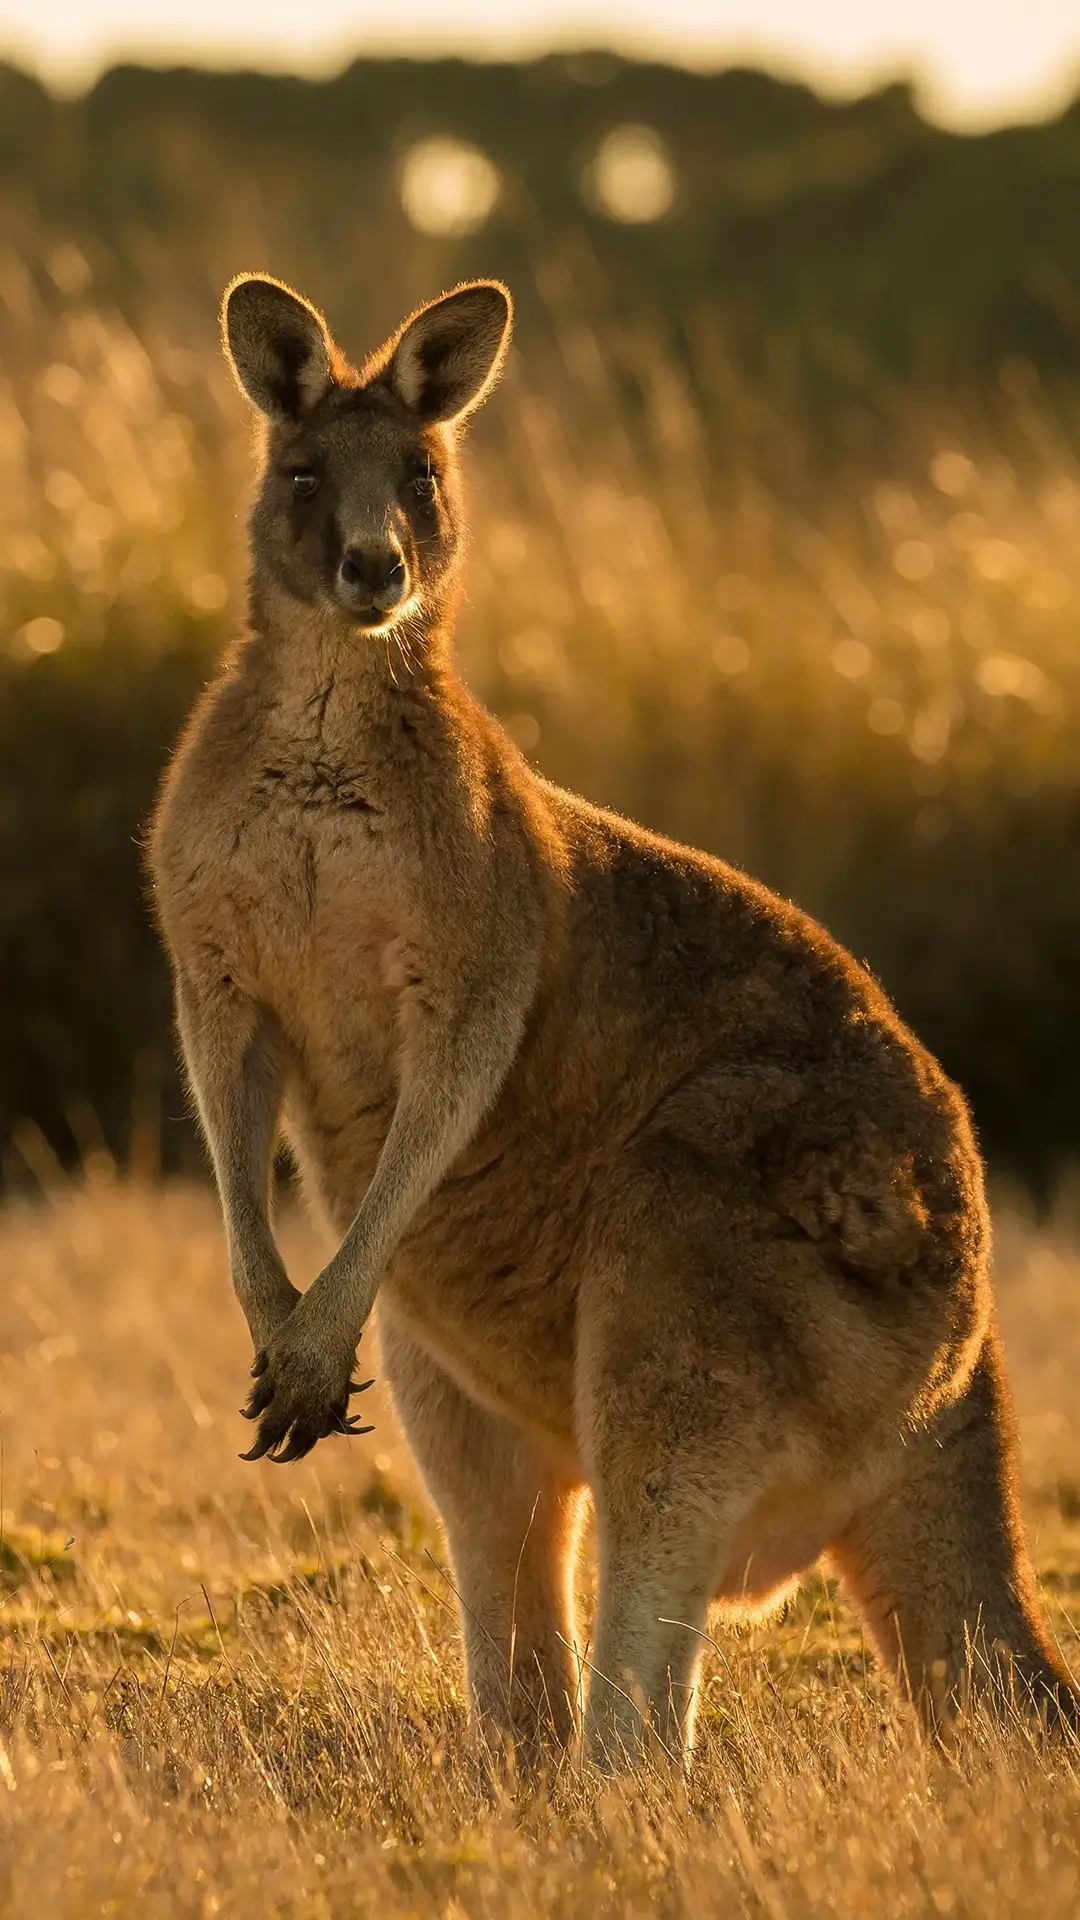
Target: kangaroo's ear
x,y
448,356
277,345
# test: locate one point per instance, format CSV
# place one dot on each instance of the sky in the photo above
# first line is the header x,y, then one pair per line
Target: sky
x,y
976,63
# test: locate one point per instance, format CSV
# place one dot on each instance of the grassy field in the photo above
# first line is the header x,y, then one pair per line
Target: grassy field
x,y
831,635
237,1690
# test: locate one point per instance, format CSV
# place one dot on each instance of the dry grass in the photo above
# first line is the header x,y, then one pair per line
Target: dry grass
x,y
237,1690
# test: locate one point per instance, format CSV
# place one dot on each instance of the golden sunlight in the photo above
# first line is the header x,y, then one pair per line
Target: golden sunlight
x,y
448,187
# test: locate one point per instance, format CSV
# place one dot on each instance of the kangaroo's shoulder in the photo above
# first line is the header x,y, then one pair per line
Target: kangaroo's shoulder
x,y
207,769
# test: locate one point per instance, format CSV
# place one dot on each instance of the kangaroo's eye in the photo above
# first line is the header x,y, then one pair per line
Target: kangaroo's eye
x,y
425,486
304,483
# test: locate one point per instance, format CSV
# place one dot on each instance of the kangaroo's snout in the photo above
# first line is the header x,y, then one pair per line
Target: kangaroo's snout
x,y
372,579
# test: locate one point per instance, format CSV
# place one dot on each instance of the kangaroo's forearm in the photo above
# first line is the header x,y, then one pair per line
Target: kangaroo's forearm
x,y
236,1072
443,1100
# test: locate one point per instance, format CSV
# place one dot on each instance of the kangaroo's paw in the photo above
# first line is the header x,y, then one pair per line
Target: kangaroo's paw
x,y
301,1393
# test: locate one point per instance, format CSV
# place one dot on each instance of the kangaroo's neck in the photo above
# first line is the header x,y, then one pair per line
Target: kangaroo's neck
x,y
314,671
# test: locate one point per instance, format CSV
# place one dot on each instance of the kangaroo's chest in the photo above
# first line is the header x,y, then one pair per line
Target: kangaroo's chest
x,y
309,889
296,886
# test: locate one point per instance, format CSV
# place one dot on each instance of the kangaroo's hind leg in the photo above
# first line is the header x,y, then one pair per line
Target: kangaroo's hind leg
x,y
511,1520
939,1565
676,1461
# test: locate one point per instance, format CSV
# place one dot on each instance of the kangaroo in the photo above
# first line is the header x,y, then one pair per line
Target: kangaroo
x,y
662,1203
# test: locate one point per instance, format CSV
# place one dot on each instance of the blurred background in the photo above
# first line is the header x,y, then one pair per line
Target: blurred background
x,y
776,514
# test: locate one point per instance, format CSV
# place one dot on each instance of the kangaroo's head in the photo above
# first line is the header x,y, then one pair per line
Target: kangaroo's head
x,y
358,508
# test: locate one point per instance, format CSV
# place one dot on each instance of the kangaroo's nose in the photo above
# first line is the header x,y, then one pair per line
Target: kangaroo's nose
x,y
374,575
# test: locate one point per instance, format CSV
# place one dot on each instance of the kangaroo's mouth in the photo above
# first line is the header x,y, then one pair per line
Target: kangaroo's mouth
x,y
370,618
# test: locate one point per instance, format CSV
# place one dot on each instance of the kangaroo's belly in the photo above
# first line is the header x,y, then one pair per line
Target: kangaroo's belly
x,y
341,1081
486,1278
529,1382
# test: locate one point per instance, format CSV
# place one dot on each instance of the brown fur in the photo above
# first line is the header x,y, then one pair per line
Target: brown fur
x,y
659,1197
